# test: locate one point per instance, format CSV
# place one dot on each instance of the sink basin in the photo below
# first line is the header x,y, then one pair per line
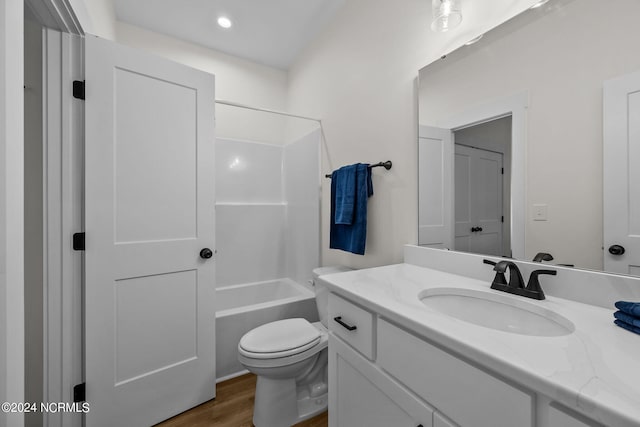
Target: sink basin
x,y
494,311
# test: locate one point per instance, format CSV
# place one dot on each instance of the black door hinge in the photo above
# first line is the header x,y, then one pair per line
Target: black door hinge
x,y
502,171
78,241
78,89
79,392
502,219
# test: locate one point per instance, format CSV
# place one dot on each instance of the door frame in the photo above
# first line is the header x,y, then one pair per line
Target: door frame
x,y
62,143
12,207
516,106
59,15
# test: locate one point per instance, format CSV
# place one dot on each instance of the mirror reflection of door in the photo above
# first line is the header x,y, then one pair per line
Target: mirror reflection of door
x,y
482,188
622,174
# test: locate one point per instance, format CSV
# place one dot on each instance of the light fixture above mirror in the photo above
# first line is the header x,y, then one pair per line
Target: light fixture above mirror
x,y
447,14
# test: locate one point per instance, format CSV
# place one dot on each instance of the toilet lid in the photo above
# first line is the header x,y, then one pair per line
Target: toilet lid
x,y
282,336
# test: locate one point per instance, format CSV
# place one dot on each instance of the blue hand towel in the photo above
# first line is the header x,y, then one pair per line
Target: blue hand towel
x,y
345,194
352,237
632,308
627,326
627,318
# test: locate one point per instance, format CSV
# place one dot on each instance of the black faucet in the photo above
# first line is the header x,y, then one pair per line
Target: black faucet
x,y
515,285
542,256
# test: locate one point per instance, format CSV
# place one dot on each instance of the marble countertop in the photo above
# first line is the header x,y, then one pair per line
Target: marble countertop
x,y
594,370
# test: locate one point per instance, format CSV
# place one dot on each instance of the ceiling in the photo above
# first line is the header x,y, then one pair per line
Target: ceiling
x,y
271,32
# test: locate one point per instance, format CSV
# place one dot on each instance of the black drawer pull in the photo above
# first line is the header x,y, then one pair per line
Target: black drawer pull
x,y
348,327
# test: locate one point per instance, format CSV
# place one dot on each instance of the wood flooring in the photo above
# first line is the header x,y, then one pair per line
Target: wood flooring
x,y
233,407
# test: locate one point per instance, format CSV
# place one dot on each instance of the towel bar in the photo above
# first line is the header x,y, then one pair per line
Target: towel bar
x,y
387,165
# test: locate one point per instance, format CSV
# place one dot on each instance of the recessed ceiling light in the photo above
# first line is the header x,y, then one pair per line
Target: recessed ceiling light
x,y
539,4
224,22
474,40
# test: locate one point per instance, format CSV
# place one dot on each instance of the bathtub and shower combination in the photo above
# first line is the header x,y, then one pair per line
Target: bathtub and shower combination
x,y
267,228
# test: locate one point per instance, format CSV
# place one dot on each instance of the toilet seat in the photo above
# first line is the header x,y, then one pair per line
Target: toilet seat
x,y
278,339
286,356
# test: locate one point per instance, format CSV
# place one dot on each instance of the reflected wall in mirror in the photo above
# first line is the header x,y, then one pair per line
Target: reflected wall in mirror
x,y
530,97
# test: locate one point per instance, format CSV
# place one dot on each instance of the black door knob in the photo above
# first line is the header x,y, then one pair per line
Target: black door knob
x,y
206,253
616,250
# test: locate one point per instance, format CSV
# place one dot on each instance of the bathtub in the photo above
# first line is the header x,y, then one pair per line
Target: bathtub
x,y
241,308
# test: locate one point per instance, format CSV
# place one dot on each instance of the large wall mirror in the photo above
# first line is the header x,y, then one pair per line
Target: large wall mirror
x,y
529,139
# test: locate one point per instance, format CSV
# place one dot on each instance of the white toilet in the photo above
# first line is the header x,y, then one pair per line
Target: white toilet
x,y
290,359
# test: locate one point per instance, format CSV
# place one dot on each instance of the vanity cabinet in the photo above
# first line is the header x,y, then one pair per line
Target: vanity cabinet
x,y
383,375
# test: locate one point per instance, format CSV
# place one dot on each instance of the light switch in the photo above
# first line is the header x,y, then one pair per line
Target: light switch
x,y
540,212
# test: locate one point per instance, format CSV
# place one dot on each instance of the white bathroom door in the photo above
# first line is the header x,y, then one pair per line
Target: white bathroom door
x,y
478,200
149,211
621,167
435,187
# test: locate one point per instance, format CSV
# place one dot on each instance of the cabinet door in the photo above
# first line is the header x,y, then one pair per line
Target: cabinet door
x,y
361,403
440,420
360,395
562,417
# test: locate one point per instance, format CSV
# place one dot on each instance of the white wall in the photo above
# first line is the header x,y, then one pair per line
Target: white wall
x,y
237,80
563,68
359,77
11,209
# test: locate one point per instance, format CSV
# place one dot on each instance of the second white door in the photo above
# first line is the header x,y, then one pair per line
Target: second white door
x,y
478,200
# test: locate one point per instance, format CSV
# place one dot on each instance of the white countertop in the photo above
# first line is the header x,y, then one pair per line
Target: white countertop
x,y
594,370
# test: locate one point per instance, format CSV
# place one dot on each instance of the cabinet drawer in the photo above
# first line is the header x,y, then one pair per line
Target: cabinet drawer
x,y
351,323
467,395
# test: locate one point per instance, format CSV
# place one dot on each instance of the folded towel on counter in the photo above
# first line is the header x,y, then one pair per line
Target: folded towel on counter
x,y
344,180
627,326
627,318
351,237
632,308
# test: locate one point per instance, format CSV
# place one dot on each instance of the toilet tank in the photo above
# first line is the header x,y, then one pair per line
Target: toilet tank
x,y
321,290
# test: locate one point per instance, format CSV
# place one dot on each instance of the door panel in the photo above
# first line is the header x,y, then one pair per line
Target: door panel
x,y
155,194
435,185
489,203
142,336
621,168
149,208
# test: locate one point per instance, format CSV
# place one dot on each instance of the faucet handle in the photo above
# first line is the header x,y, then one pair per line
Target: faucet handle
x,y
499,279
534,282
542,256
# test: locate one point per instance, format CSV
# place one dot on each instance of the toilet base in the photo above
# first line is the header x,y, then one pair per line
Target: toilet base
x,y
279,403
